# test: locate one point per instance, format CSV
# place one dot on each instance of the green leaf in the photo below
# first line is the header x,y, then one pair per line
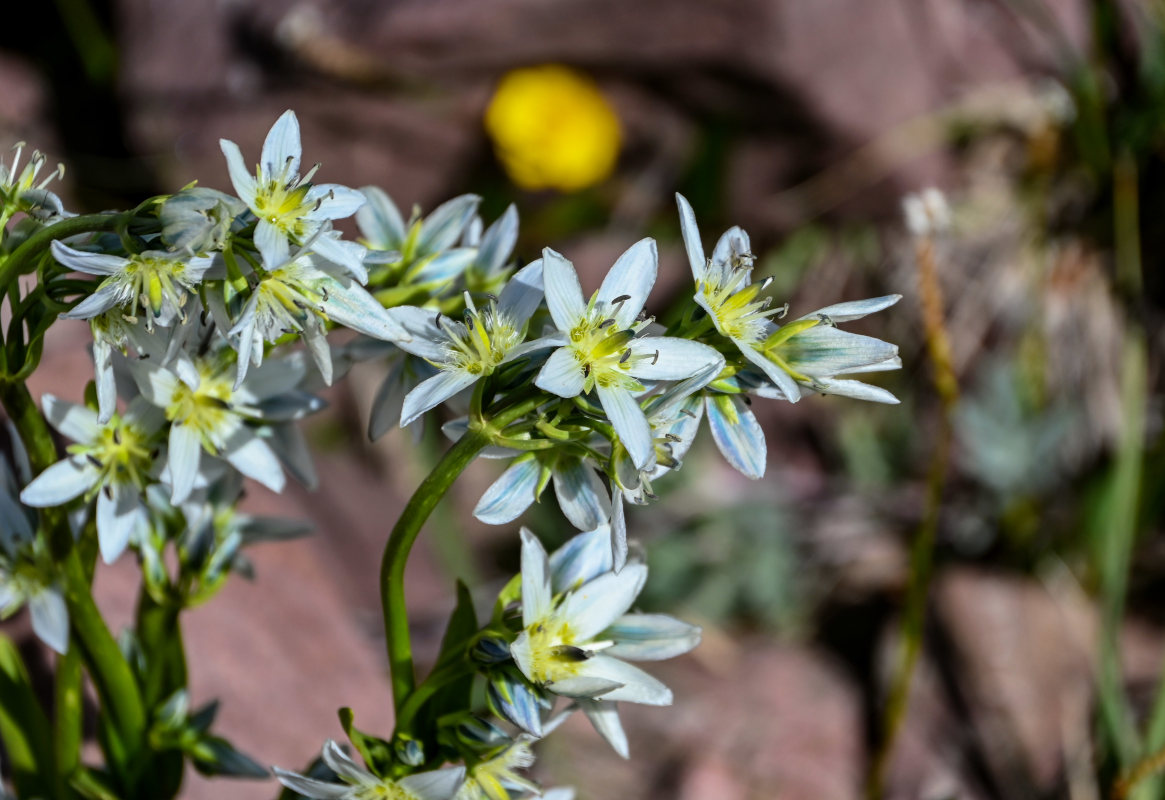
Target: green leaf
x,y
24,727
213,755
376,752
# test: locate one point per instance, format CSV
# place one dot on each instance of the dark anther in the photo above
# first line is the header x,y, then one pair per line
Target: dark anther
x,y
621,299
747,400
626,355
571,652
116,436
825,319
655,358
437,319
492,297
586,370
688,413
93,460
607,323
651,496
671,437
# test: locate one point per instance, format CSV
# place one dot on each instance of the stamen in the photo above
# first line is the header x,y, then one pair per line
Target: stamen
x,y
626,355
655,358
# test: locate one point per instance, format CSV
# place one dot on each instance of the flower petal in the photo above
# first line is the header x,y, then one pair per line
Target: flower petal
x,y
183,457
738,435
497,243
651,637
691,233
379,220
733,242
855,309
631,277
564,297
89,263
592,607
443,227
254,458
583,558
523,293
783,380
512,493
344,767
282,149
50,618
119,514
426,339
438,784
333,201
60,483
536,603
79,423
636,685
432,392
581,494
272,244
824,351
561,374
310,787
106,297
604,716
241,177
856,389
666,358
629,422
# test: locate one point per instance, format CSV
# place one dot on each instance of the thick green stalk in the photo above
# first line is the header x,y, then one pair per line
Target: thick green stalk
x,y
67,717
396,554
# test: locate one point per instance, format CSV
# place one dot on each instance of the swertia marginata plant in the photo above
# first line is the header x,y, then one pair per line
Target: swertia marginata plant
x,y
196,300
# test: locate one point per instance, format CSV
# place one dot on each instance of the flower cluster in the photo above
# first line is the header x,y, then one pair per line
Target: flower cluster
x,y
210,314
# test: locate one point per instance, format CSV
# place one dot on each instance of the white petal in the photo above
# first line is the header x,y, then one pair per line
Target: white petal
x,y
738,435
604,716
272,244
631,277
432,392
824,351
339,762
733,241
379,220
89,263
183,457
774,373
388,404
523,293
348,255
564,297
440,784
584,687
536,580
592,608
106,383
106,297
60,483
629,422
444,267
856,390
157,384
310,787
692,243
50,619
426,339
334,201
281,149
512,493
353,307
651,637
498,242
665,358
637,686
119,515
316,340
254,458
79,423
443,227
581,494
561,374
855,309
583,558
241,177
618,530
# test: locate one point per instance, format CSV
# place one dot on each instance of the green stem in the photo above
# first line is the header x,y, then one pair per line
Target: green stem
x,y
67,713
396,554
439,678
23,259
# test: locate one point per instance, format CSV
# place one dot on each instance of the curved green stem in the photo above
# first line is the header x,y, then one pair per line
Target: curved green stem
x,y
439,678
396,554
23,259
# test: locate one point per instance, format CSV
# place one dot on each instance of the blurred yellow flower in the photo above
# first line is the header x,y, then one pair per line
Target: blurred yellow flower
x,y
553,129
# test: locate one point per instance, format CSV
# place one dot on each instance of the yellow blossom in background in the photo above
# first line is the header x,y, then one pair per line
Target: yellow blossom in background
x,y
553,129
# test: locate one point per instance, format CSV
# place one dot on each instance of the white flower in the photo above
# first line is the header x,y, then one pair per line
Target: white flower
x,y
580,492
360,784
214,416
111,461
576,629
606,350
469,350
288,206
497,778
21,192
159,282
297,294
809,351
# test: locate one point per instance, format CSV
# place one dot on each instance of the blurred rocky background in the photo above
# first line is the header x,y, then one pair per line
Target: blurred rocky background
x,y
804,121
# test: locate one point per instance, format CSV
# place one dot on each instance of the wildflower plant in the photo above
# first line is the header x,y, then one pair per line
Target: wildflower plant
x,y
211,314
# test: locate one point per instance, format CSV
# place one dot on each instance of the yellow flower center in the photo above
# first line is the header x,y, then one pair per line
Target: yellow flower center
x,y
206,408
604,353
481,343
554,655
283,205
121,452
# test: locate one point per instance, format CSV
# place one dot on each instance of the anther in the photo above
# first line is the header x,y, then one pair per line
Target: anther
x,y
607,323
93,460
747,400
626,355
655,358
671,437
688,413
826,320
766,283
621,299
784,312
